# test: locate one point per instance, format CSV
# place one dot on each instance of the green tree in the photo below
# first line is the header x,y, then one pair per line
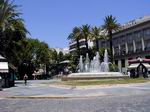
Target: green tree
x,y
102,51
55,56
67,56
33,52
110,25
85,30
60,56
76,36
96,34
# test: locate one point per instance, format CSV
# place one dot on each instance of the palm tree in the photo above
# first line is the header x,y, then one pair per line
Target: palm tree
x,y
8,13
20,30
110,25
11,26
96,34
76,36
85,29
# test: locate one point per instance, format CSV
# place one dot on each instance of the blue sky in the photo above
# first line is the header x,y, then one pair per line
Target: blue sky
x,y
52,20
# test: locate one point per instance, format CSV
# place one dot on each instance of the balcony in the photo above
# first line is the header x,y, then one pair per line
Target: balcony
x,y
146,38
74,42
83,46
138,50
130,52
72,47
71,50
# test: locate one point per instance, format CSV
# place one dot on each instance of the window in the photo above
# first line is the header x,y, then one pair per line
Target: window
x,y
147,57
138,46
130,48
116,62
146,31
137,35
123,62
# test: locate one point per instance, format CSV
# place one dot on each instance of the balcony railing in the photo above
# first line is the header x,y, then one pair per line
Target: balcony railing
x,y
147,48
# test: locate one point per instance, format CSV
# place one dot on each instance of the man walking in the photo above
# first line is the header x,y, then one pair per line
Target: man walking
x,y
25,79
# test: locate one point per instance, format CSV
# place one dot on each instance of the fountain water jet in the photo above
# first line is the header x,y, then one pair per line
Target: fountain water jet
x,y
87,63
81,64
95,64
105,63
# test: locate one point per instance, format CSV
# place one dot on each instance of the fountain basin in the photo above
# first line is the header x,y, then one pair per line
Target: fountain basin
x,y
93,76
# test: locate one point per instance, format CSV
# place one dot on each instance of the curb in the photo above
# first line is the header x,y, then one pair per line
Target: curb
x,y
32,97
54,97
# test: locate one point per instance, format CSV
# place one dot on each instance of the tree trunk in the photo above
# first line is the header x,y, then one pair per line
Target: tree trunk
x,y
97,45
110,43
86,44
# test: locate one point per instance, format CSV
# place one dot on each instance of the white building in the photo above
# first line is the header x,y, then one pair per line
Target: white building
x,y
63,50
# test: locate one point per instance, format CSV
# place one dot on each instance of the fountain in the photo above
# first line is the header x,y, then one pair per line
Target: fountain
x,y
94,69
94,66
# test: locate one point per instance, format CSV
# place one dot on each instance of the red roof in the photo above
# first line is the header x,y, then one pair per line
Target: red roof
x,y
137,60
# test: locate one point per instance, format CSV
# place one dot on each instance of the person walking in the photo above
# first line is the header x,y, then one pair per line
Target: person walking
x,y
0,83
25,79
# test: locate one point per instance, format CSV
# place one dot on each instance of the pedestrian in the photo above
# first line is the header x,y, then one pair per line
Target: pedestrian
x,y
128,73
0,83
25,79
66,71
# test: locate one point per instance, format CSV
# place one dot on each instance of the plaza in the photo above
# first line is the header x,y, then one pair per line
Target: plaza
x,y
74,56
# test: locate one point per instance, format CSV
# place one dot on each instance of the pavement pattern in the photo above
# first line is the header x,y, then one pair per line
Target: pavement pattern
x,y
125,98
137,103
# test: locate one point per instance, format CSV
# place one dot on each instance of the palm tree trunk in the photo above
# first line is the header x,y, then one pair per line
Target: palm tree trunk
x,y
3,43
78,47
110,43
97,45
86,44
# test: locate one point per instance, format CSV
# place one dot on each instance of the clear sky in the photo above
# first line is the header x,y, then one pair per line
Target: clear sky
x,y
52,20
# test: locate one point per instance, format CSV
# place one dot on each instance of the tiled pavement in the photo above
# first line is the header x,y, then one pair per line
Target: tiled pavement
x,y
39,89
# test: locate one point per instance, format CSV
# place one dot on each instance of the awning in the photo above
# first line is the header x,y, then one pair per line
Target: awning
x,y
40,72
3,67
1,57
132,66
146,65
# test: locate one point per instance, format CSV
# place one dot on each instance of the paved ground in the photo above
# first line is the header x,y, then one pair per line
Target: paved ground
x,y
137,103
40,88
133,98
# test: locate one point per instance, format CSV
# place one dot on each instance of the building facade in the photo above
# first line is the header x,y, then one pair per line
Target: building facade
x,y
130,42
82,44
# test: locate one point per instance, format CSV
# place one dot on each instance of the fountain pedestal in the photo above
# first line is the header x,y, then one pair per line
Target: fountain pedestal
x,y
94,76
